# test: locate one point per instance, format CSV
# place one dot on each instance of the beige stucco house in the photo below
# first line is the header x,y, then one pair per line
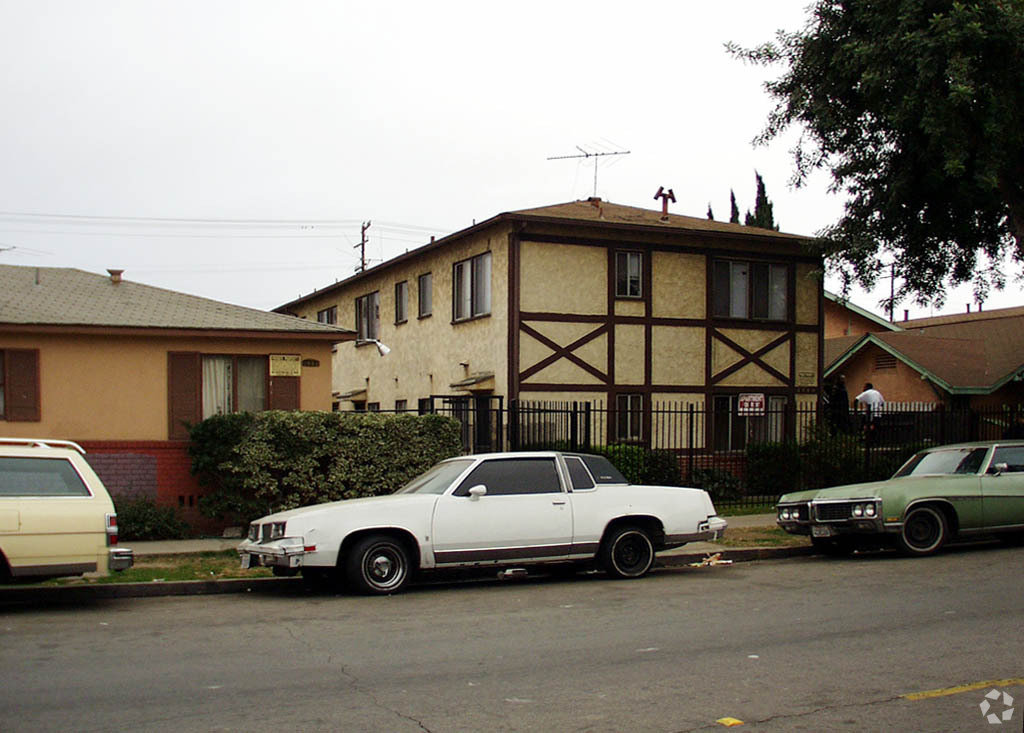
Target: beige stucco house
x,y
122,367
586,301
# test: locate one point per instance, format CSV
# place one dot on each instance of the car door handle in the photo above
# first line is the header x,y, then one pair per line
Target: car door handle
x,y
558,503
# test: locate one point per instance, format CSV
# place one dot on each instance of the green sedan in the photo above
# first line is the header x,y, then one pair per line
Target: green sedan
x,y
951,491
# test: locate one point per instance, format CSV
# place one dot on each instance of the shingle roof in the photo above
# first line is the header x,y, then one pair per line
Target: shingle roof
x,y
64,296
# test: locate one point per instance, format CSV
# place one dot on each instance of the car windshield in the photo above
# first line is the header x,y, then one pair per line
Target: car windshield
x,y
938,462
436,479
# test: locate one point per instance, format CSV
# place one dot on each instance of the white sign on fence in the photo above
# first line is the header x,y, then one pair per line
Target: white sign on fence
x,y
750,403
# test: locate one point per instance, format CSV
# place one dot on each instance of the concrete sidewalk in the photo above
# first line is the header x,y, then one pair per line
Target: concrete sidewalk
x,y
218,544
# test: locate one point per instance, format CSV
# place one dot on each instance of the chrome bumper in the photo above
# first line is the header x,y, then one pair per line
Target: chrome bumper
x,y
711,529
120,558
286,552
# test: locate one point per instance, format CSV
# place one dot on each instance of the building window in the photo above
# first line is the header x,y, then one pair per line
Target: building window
x,y
628,271
368,316
233,384
401,405
755,290
425,292
471,293
373,407
629,412
401,302
734,431
328,315
424,406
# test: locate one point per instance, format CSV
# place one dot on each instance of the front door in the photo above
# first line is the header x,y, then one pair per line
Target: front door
x,y
525,515
1003,490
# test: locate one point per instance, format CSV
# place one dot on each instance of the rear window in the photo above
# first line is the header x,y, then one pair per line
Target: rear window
x,y
944,462
40,477
603,471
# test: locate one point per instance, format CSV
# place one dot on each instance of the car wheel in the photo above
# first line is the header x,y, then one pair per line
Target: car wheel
x,y
378,565
833,547
924,531
627,553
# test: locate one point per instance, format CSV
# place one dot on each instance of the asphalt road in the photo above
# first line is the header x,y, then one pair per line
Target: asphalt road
x,y
802,644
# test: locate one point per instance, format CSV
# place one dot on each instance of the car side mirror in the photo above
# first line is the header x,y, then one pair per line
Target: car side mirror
x,y
1001,468
475,492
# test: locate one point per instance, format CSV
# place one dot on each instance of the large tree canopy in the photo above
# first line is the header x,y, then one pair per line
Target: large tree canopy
x,y
916,107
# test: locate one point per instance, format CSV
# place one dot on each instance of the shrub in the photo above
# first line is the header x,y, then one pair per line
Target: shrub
x,y
661,468
720,484
772,468
629,459
276,460
140,518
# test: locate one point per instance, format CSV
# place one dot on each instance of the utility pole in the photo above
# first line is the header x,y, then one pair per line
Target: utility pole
x,y
362,246
587,154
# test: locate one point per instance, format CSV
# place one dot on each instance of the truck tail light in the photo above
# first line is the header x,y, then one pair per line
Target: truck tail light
x,y
111,529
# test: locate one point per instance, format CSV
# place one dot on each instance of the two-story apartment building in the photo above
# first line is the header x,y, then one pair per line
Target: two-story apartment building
x,y
586,301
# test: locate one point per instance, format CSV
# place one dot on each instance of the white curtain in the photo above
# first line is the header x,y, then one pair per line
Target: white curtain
x,y
216,385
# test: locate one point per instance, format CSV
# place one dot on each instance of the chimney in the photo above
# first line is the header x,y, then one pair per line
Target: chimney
x,y
968,307
115,276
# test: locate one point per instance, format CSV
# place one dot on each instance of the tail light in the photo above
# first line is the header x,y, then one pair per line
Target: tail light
x,y
111,529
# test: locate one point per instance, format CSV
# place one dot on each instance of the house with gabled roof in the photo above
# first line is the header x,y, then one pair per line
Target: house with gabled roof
x,y
122,368
586,302
960,360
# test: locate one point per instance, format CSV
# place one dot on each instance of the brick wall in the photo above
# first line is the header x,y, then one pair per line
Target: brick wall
x,y
155,469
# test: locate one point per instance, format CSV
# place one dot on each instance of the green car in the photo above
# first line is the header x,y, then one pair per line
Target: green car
x,y
951,491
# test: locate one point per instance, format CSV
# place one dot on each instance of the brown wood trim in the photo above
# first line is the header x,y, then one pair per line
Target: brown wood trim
x,y
694,389
753,358
514,314
563,352
549,387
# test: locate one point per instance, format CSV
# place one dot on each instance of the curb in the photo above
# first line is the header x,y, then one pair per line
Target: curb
x,y
58,594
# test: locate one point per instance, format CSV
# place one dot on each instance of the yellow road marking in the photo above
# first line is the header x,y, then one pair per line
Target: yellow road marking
x,y
962,688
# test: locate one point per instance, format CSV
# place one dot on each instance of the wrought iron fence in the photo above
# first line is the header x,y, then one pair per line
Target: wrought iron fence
x,y
741,459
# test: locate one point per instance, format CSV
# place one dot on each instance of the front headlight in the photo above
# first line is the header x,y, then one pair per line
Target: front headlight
x,y
254,532
277,530
869,510
858,510
784,514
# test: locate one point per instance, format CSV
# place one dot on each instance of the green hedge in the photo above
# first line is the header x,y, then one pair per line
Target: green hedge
x,y
139,518
260,463
641,465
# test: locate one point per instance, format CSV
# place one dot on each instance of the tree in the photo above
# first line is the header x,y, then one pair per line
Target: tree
x,y
762,216
916,108
734,215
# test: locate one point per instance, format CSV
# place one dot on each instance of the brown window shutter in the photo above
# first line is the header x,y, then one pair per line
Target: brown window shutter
x,y
284,393
183,395
22,385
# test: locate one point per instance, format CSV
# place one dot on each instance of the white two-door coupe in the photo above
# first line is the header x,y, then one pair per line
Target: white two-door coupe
x,y
501,509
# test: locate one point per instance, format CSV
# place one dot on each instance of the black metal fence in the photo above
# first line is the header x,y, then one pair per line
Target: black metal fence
x,y
741,457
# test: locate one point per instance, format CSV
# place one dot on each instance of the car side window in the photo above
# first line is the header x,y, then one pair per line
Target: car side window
x,y
972,462
509,476
578,474
1011,455
40,477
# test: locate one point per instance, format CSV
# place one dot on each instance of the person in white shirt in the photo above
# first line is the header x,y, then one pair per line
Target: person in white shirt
x,y
870,397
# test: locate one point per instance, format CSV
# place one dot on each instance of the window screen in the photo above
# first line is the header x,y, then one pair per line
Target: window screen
x,y
514,476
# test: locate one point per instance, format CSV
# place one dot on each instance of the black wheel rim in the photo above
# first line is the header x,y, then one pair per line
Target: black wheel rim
x,y
632,553
384,566
923,530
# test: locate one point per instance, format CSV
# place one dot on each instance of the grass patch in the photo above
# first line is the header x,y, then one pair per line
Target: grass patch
x,y
741,511
761,537
175,567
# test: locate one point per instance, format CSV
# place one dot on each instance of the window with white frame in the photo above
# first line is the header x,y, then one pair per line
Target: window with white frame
x,y
753,290
425,293
233,384
368,316
629,413
628,275
401,301
734,430
471,291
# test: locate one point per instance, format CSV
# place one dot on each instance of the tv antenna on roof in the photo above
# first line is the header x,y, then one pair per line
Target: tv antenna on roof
x,y
588,154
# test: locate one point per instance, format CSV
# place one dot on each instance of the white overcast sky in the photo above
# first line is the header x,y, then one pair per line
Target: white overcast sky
x,y
232,149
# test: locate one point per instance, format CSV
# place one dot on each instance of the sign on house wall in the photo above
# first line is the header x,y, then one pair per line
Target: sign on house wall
x,y
285,365
750,403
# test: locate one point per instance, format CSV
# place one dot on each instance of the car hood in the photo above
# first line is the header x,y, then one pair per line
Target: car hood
x,y
366,503
850,491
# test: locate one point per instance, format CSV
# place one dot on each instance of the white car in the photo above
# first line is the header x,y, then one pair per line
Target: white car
x,y
501,509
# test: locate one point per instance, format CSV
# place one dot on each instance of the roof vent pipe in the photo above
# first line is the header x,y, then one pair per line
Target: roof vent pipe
x,y
115,276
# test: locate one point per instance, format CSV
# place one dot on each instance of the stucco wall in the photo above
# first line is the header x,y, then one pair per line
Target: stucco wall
x,y
428,354
547,269
108,387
